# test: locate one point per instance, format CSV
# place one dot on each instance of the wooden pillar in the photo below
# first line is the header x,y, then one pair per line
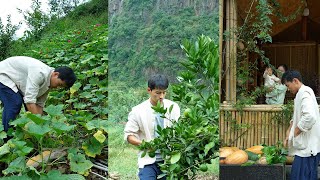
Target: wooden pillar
x,y
304,27
231,51
221,7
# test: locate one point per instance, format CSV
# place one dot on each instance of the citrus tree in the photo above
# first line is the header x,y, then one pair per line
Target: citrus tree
x,y
193,141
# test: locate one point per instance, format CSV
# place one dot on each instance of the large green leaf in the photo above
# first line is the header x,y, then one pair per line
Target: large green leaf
x,y
55,174
23,177
92,147
54,110
38,130
36,118
61,127
16,166
4,149
99,124
175,158
20,121
79,164
100,136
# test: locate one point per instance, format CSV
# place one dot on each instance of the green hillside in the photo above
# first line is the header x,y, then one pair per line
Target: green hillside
x,y
74,124
146,35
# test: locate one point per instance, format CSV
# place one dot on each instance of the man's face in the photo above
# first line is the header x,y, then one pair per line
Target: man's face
x,y
56,82
269,71
157,95
293,86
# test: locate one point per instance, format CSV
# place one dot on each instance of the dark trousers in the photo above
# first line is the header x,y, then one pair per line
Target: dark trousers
x,y
11,102
305,168
150,172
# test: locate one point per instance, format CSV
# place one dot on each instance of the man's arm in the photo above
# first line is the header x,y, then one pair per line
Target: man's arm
x,y
133,140
285,143
34,108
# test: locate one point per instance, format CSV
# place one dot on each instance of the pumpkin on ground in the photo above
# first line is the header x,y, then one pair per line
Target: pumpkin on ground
x,y
226,152
255,149
238,157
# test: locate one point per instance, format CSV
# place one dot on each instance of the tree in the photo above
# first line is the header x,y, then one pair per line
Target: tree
x,y
6,36
35,19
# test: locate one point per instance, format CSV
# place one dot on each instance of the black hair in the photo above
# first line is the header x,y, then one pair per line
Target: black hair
x,y
158,81
285,67
289,75
67,75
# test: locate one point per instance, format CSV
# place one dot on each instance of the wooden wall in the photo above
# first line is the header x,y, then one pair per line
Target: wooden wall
x,y
301,56
258,126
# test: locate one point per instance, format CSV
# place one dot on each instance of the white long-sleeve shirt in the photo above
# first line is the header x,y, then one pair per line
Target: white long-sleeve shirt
x,y
29,75
306,117
141,123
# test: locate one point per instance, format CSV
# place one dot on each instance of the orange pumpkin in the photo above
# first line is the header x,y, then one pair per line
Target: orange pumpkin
x,y
255,149
238,157
225,152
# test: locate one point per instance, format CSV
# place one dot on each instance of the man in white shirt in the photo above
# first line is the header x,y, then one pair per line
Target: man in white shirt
x,y
303,134
142,123
28,80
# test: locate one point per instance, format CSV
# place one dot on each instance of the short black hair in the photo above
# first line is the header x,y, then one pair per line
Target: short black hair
x,y
289,75
285,67
158,81
67,75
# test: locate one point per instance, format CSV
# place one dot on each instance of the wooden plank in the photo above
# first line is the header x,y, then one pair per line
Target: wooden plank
x,y
259,124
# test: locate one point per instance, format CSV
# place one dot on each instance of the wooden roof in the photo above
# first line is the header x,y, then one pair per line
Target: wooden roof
x,y
287,7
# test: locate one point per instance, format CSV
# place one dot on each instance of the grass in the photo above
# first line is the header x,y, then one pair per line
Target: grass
x,y
123,158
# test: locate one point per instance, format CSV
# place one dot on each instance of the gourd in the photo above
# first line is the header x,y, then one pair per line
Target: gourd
x,y
252,156
225,152
289,160
255,149
238,157
262,160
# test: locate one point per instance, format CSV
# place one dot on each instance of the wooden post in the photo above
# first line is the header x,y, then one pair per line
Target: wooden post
x,y
231,50
220,43
304,27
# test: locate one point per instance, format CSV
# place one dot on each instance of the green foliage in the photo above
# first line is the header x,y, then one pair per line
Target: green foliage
x,y
145,39
6,36
192,142
79,124
286,114
255,31
275,154
36,20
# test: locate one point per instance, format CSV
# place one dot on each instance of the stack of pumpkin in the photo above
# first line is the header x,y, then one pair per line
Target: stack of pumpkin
x,y
234,155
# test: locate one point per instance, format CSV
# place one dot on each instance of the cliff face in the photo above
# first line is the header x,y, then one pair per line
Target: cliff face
x,y
199,6
145,35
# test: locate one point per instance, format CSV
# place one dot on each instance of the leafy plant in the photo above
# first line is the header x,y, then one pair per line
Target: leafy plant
x,y
191,143
275,154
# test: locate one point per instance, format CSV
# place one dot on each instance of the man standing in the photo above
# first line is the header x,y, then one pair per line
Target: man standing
x,y
303,135
28,80
142,123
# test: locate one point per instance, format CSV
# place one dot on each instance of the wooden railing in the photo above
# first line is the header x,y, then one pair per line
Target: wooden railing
x,y
257,124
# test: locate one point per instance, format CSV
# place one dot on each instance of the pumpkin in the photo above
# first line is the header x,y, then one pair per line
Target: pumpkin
x,y
238,157
233,148
289,160
255,149
262,160
225,152
221,161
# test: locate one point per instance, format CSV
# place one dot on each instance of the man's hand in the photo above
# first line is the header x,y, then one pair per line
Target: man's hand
x,y
133,140
285,142
34,108
297,131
